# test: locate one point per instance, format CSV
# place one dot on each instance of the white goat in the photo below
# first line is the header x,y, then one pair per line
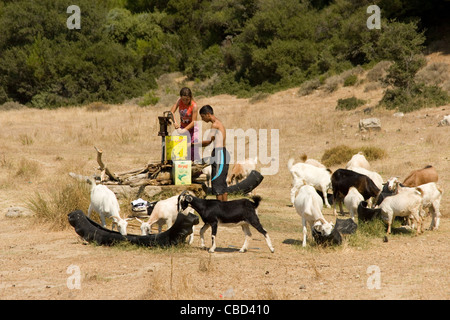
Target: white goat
x,y
358,160
431,199
407,202
319,178
308,205
312,162
432,195
352,200
207,172
164,212
105,203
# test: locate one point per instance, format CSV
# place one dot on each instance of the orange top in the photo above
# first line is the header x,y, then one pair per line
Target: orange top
x,y
186,112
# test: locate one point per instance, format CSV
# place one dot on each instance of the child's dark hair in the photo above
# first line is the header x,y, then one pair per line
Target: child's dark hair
x,y
206,109
185,92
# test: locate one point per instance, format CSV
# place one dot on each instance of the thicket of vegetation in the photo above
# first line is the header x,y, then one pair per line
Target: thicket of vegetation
x,y
233,46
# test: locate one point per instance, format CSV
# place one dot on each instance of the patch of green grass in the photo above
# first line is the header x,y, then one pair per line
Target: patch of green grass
x,y
349,103
350,80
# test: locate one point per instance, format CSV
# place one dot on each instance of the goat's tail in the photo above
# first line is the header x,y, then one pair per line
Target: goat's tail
x,y
304,157
256,201
290,163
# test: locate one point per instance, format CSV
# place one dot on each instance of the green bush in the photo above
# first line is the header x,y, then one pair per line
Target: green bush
x,y
420,96
239,47
349,103
402,44
350,80
45,65
148,99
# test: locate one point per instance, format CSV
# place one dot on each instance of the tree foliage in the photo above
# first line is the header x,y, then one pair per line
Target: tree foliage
x,y
241,46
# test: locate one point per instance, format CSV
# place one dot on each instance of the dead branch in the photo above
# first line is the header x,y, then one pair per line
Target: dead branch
x,y
152,174
103,168
79,177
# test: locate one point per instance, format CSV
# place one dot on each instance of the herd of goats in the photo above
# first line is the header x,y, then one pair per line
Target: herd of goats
x,y
361,190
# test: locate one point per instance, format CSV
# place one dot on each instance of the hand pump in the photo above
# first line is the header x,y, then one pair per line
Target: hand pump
x,y
164,121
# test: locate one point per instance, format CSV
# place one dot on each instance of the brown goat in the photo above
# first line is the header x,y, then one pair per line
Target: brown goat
x,y
241,171
421,176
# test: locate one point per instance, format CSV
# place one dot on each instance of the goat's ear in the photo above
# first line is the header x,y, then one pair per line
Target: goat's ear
x,y
419,190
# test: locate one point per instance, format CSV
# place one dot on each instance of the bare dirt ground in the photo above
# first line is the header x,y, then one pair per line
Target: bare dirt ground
x,y
34,259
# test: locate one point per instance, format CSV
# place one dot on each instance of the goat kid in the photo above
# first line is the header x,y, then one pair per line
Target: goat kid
x,y
105,203
352,200
164,212
405,203
241,212
241,171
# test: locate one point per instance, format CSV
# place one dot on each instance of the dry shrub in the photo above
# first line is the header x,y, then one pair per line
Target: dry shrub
x,y
379,71
54,207
11,105
308,87
337,155
372,86
28,169
26,139
372,153
434,74
446,86
97,107
333,83
342,154
260,96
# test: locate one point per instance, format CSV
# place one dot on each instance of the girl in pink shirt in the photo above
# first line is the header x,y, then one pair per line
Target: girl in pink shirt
x,y
188,110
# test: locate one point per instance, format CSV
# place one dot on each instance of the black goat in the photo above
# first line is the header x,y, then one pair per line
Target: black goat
x,y
343,179
367,214
342,226
237,212
387,192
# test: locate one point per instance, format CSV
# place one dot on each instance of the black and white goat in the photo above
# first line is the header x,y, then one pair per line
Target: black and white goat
x,y
237,212
343,179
